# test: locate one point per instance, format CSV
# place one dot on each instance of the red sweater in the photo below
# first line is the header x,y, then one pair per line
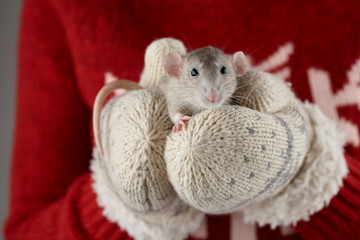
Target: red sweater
x,y
65,48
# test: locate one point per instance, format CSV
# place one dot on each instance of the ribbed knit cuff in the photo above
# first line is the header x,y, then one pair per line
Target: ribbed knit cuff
x,y
341,219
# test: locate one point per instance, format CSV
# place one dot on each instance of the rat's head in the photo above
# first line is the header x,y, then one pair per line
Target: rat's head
x,y
207,74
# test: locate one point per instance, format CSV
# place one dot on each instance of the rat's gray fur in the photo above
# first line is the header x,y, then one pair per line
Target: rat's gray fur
x,y
187,94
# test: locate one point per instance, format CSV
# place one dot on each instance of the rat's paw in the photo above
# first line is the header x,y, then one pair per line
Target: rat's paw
x,y
177,126
181,123
233,156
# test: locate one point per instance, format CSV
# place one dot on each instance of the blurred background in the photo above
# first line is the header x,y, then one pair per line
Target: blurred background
x,y
9,22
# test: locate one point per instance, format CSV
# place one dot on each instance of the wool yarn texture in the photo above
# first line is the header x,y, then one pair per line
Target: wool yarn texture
x,y
131,179
234,156
243,157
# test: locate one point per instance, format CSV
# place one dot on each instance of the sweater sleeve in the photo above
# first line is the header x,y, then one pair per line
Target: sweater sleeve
x,y
51,194
341,218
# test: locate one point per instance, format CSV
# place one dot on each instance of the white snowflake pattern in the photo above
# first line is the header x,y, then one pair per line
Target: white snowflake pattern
x,y
329,102
276,61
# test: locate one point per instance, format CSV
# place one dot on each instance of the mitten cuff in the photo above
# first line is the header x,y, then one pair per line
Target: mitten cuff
x,y
176,223
317,181
341,219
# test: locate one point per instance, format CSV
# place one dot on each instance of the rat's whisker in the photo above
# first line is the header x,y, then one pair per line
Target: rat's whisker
x,y
242,101
243,86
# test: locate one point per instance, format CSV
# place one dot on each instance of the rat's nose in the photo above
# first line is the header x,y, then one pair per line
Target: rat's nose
x,y
212,97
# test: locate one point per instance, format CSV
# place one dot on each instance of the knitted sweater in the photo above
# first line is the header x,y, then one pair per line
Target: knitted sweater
x,y
66,47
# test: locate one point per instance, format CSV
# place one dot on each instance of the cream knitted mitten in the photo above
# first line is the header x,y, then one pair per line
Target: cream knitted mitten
x,y
278,160
131,179
234,156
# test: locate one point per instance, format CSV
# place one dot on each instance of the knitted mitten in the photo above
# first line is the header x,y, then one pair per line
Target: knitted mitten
x,y
130,179
277,159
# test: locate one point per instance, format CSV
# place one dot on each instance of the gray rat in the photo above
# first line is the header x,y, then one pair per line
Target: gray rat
x,y
203,79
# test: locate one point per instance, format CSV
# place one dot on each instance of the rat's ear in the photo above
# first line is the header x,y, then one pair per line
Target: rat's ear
x,y
172,64
239,63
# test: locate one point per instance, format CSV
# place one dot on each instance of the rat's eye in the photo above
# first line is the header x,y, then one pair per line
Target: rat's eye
x,y
223,70
194,72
